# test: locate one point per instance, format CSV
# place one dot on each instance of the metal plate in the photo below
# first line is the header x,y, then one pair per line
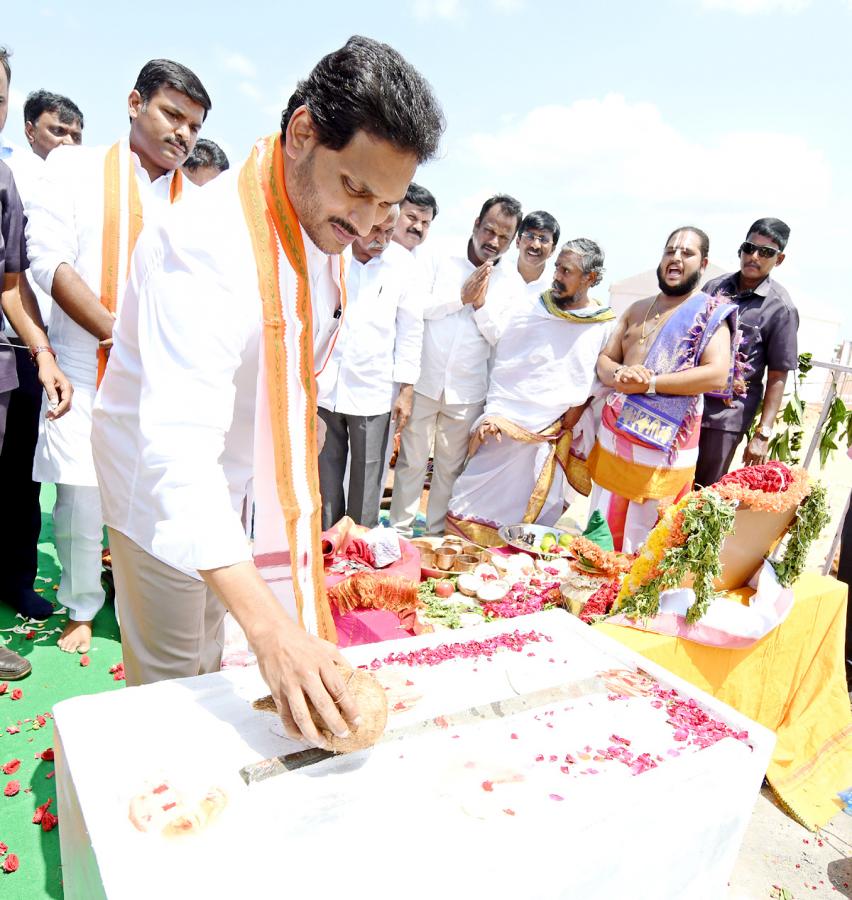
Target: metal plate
x,y
523,537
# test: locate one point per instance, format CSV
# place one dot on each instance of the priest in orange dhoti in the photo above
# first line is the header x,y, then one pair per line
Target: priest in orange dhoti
x,y
207,422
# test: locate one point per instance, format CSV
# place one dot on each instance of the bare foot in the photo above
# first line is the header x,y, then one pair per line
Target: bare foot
x,y
76,637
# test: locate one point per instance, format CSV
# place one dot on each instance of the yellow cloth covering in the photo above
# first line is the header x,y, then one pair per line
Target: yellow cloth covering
x,y
793,682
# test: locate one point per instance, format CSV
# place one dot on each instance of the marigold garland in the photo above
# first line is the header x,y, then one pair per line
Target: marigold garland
x,y
607,561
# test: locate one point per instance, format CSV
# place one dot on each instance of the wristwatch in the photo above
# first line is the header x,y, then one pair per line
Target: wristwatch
x,y
652,385
764,431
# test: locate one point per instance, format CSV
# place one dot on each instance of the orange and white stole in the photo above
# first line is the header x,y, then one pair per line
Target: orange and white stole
x,y
120,232
287,409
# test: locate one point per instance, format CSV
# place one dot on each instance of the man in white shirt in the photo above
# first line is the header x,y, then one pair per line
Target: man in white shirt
x,y
84,218
378,347
19,548
466,293
543,374
416,214
207,421
537,238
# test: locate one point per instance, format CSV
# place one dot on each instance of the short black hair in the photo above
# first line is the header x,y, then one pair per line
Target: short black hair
x,y
160,73
543,221
207,154
774,229
5,53
419,196
367,85
704,241
508,205
39,102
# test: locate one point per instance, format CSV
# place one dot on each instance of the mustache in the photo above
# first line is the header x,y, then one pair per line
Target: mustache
x,y
416,231
375,245
177,142
346,226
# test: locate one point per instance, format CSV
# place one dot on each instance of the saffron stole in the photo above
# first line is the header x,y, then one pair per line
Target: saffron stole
x,y
120,233
274,229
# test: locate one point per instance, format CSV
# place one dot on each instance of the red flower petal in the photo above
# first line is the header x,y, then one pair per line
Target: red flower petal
x,y
38,815
41,721
509,812
48,822
12,729
4,686
4,849
12,788
47,755
10,864
84,660
30,635
556,797
11,767
487,786
17,694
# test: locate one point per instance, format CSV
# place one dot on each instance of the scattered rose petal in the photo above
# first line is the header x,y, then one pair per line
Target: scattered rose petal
x,y
556,797
47,755
4,686
48,822
30,635
12,788
17,694
38,815
12,729
513,736
487,786
11,767
10,864
4,849
84,660
509,812
41,721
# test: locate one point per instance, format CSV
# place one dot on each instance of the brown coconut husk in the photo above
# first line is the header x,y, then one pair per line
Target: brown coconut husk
x,y
364,590
372,706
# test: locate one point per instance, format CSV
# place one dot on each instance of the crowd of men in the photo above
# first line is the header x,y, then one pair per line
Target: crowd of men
x,y
238,372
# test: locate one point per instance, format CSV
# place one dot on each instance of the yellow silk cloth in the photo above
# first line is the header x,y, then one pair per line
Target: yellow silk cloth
x,y
793,681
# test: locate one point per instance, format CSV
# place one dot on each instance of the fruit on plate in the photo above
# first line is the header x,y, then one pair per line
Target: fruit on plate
x,y
547,542
565,539
444,588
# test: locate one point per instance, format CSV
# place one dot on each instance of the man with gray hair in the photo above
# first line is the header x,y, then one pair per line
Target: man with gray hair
x,y
543,374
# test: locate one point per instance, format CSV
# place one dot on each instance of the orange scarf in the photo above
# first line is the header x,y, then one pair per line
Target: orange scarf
x,y
272,222
112,275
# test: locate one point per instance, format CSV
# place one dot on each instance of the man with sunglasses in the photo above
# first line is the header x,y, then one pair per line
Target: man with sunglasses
x,y
769,322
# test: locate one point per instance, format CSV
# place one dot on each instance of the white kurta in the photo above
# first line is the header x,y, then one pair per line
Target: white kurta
x,y
543,366
380,338
180,442
65,225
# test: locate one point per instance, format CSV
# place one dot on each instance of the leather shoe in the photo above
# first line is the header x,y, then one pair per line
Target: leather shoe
x,y
13,666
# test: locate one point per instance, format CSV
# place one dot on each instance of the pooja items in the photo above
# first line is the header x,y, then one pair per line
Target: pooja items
x,y
465,562
445,557
539,539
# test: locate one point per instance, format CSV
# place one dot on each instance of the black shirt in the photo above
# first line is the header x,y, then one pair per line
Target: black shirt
x,y
769,323
13,258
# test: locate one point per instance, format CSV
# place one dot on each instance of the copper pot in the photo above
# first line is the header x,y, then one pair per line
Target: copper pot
x,y
444,558
427,559
465,562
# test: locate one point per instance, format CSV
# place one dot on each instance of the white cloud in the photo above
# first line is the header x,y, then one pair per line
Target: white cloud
x,y
756,7
448,10
611,148
240,65
250,90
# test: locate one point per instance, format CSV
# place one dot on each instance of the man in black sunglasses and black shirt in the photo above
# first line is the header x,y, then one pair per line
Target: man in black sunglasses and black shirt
x,y
769,322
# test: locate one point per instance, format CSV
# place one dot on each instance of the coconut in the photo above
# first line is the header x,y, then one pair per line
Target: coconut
x,y
372,706
484,570
492,591
469,583
560,566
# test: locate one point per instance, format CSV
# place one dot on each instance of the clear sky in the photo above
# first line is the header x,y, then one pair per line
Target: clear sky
x,y
624,119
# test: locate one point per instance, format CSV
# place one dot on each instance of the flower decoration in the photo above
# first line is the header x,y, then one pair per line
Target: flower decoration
x,y
770,487
607,561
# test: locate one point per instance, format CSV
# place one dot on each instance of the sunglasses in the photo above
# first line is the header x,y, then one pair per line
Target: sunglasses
x,y
531,236
747,249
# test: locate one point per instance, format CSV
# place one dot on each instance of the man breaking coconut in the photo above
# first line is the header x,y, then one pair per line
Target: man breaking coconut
x,y
206,423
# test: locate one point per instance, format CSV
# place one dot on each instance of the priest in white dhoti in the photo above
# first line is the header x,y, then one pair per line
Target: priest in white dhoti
x,y
85,216
543,374
206,429
370,375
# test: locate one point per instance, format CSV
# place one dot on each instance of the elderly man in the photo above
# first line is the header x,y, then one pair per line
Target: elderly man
x,y
378,346
50,120
769,322
665,353
206,162
450,394
542,376
84,220
537,238
206,425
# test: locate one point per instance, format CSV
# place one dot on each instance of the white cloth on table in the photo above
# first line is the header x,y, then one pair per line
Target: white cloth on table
x,y
65,225
181,433
380,338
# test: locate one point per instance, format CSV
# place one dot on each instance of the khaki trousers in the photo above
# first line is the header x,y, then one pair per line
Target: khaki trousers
x,y
172,626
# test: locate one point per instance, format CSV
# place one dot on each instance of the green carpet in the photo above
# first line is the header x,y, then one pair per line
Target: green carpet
x,y
55,676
